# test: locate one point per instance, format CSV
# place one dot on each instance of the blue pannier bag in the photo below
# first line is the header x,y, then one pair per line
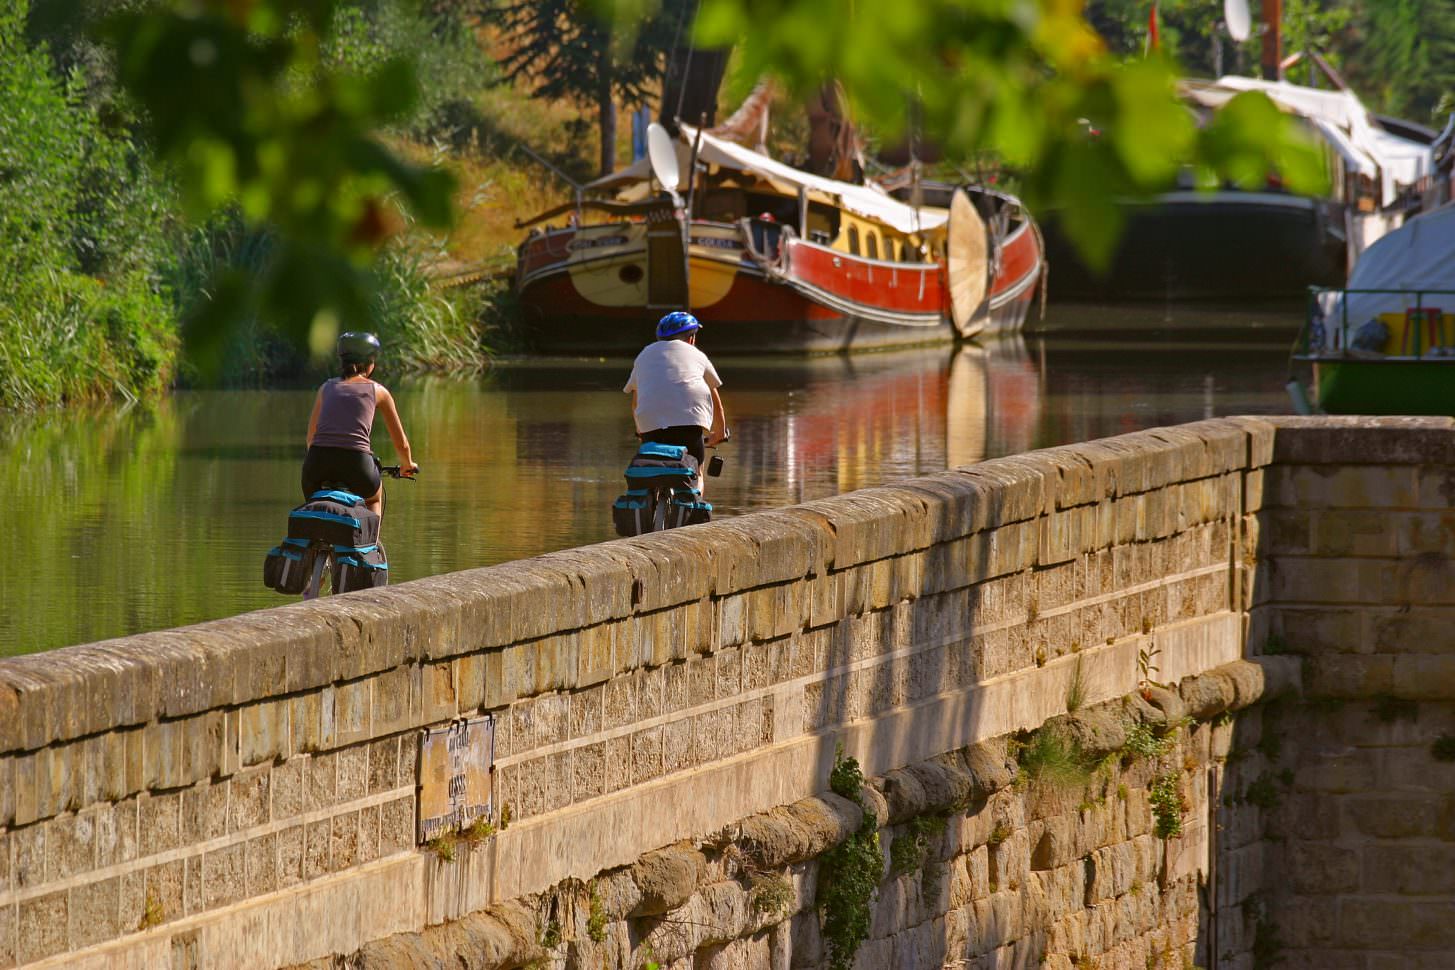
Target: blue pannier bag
x,y
361,567
658,464
288,565
336,518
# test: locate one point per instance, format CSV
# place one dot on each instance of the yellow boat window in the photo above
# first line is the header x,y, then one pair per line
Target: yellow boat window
x,y
854,240
873,243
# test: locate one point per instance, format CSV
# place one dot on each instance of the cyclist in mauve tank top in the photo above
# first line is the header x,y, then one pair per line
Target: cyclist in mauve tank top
x,y
340,449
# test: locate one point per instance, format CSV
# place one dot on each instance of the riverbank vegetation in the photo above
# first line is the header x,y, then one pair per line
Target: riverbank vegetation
x,y
116,279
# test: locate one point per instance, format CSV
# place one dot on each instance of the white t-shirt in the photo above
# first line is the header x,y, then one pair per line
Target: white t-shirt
x,y
673,381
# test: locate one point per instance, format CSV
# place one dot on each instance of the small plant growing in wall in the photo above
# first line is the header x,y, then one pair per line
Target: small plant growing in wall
x,y
1148,665
596,916
151,912
443,846
1076,690
1165,796
1047,757
551,934
771,895
850,873
907,851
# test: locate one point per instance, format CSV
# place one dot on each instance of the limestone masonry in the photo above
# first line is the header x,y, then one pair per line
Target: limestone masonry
x,y
1179,698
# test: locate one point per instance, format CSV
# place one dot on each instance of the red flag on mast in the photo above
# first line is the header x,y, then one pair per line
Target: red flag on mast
x,y
1152,39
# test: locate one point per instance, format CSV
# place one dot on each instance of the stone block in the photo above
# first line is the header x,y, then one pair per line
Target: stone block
x,y
311,720
353,773
1413,870
94,911
1350,676
224,876
163,887
290,856
160,823
249,799
368,833
595,649
1403,816
71,845
1424,677
439,696
321,785
42,927
261,864
264,732
344,841
1342,440
396,824
318,842
407,697
116,833
383,765
1320,869
352,705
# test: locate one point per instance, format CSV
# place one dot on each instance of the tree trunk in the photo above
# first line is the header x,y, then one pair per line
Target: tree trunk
x,y
606,110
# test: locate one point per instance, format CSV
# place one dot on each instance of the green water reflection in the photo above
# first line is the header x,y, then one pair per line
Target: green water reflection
x,y
120,522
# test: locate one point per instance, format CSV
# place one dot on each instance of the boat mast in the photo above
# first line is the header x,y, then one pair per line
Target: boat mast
x,y
1272,40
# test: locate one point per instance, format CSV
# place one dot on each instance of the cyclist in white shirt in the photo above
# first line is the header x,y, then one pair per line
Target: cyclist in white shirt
x,y
674,390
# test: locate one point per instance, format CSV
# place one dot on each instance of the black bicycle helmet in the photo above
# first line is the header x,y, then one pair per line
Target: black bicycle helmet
x,y
357,347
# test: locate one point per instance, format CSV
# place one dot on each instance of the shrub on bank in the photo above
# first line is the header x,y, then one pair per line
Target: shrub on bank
x,y
82,313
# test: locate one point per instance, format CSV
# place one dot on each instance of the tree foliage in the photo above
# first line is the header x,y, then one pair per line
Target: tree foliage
x,y
243,107
1400,55
80,227
573,50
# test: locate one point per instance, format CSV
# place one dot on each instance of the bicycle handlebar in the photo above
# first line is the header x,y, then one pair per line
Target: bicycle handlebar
x,y
396,471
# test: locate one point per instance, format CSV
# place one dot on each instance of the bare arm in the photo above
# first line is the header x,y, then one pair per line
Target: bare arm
x,y
313,418
718,431
384,402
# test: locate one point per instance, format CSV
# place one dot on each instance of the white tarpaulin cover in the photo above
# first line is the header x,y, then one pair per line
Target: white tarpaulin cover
x,y
869,201
1420,255
1400,160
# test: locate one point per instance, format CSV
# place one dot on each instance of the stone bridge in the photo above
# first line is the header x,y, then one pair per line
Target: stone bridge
x,y
1178,698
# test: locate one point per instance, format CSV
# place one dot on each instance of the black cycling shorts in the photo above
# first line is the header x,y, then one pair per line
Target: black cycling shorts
x,y
689,436
357,471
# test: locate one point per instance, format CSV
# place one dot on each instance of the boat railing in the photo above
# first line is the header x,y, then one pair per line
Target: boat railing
x,y
1313,336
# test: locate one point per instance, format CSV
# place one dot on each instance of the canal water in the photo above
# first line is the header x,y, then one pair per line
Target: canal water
x,y
125,521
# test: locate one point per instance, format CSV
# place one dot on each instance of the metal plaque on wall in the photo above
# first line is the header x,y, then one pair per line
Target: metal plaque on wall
x,y
456,762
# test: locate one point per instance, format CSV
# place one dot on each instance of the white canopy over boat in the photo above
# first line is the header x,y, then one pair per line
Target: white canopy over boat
x,y
869,201
1401,161
1420,255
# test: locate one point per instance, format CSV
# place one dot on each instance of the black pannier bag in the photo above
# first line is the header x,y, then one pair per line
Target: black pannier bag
x,y
356,568
288,565
688,508
335,517
632,513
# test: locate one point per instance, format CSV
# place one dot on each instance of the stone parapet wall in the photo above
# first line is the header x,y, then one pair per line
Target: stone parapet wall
x,y
1355,579
242,793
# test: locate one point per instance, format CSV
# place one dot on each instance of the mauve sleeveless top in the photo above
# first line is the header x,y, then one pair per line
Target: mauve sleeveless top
x,y
347,415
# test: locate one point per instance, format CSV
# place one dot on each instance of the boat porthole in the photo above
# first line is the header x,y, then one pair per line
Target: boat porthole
x,y
630,273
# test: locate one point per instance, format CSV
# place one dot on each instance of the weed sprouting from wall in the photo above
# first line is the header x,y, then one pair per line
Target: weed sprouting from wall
x,y
1165,796
1076,690
850,873
596,917
771,895
1048,757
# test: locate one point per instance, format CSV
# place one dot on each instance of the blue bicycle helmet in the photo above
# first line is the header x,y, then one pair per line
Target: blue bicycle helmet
x,y
675,324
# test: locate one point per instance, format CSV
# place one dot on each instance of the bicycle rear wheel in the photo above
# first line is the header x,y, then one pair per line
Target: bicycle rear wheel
x,y
660,499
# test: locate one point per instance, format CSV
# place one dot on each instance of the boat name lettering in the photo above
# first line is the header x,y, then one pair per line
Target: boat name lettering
x,y
595,243
714,242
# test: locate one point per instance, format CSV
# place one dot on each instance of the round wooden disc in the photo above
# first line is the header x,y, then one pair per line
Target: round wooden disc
x,y
966,263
